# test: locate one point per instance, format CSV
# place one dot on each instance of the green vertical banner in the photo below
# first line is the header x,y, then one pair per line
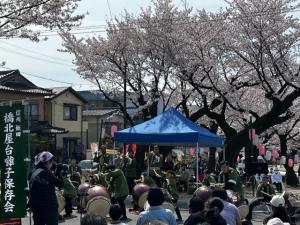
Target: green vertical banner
x,y
13,142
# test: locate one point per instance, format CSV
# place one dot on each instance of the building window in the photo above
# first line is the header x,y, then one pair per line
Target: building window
x,y
70,112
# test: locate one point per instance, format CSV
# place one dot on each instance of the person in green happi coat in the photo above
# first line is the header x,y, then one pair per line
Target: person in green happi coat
x,y
98,179
118,187
146,179
230,178
103,159
208,179
172,188
74,171
69,192
130,169
155,159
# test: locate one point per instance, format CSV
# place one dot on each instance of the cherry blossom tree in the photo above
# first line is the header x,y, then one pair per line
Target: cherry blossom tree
x,y
246,68
132,58
20,18
221,67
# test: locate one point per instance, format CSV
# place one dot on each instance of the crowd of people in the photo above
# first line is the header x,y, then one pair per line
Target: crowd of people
x,y
160,174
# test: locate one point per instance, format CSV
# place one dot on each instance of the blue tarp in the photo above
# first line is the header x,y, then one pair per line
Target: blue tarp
x,y
169,128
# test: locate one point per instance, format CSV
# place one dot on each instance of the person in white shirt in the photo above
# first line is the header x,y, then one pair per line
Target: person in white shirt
x,y
276,178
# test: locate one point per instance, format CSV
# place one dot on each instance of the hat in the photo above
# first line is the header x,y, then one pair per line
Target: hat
x,y
276,169
277,200
42,157
276,221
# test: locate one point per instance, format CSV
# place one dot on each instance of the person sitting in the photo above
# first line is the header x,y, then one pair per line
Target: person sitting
x,y
230,212
155,199
214,207
91,219
231,179
278,209
115,213
276,178
276,221
208,179
196,207
264,193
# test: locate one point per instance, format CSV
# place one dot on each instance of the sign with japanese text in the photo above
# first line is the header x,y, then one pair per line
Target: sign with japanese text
x,y
12,165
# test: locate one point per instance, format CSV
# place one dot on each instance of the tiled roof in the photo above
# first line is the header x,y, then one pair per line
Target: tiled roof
x,y
98,112
8,82
56,91
33,91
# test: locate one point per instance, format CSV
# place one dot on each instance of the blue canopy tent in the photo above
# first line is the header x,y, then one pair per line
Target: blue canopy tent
x,y
169,128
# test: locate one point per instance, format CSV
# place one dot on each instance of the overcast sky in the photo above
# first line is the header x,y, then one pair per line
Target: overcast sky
x,y
42,59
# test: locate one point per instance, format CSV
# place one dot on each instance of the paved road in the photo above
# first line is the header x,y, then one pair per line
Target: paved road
x,y
183,204
258,216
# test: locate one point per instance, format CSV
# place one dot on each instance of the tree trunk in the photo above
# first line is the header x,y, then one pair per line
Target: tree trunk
x,y
234,145
211,160
211,164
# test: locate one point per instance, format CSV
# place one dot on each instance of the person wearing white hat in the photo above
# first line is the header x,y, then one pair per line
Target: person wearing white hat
x,y
278,210
42,196
276,221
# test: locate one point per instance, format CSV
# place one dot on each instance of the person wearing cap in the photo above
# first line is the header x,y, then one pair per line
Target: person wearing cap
x,y
278,210
276,178
118,187
230,178
42,196
155,199
264,193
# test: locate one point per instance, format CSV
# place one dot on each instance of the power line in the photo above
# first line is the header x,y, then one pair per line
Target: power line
x,y
45,78
37,58
28,50
81,29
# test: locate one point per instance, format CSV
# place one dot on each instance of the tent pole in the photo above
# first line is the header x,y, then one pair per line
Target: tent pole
x,y
148,161
197,161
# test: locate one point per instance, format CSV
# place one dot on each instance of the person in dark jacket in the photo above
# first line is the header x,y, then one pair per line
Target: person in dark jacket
x,y
42,196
